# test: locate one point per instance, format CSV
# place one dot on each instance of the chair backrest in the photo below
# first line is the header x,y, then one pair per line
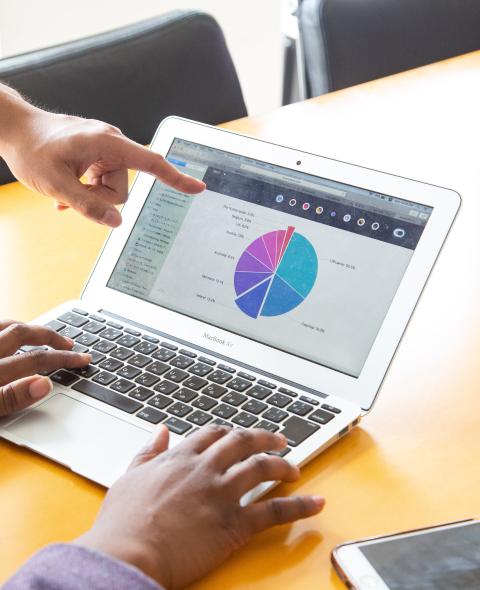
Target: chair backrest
x,y
133,77
347,42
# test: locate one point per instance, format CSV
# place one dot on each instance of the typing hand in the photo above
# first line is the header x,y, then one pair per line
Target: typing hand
x,y
50,152
20,386
176,514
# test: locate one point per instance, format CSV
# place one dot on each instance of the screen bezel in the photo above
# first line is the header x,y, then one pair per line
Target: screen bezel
x,y
355,566
360,390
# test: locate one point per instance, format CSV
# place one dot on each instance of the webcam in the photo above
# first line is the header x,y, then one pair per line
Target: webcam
x,y
299,162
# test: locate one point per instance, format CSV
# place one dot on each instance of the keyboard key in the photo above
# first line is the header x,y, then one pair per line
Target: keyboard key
x,y
288,392
97,318
128,340
198,417
157,367
259,392
239,384
139,360
206,360
204,403
195,383
267,426
226,368
244,419
163,355
177,426
214,391
222,422
300,408
169,346
296,430
104,346
141,393
122,354
246,376
64,378
224,411
86,372
201,369
189,353
185,395
97,357
166,387
151,415
279,400
234,398
145,347
281,453
179,409
79,311
111,334
147,379
79,348
275,414
55,325
70,332
331,408
73,319
87,339
107,396
268,384
219,377
115,325
151,339
104,378
181,362
309,400
128,372
93,327
122,386
110,364
160,401
321,417
254,406
176,375
133,332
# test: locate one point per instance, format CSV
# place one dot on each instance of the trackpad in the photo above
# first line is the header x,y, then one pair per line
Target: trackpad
x,y
87,440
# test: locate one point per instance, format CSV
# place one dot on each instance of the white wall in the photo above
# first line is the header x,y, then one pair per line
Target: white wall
x,y
251,27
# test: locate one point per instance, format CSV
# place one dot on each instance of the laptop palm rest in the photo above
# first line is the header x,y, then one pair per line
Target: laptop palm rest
x,y
86,440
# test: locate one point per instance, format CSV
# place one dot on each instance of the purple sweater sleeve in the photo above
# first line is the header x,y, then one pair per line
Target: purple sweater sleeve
x,y
71,567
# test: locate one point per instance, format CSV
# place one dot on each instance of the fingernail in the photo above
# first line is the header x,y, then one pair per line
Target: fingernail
x,y
40,387
86,357
69,340
282,439
110,218
319,501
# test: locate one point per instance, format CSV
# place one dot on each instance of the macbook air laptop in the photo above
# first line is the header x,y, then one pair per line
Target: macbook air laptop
x,y
275,299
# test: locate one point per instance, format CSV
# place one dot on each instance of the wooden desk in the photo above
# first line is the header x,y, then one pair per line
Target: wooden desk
x,y
415,459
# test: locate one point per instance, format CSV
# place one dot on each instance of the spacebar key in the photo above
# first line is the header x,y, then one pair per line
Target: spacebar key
x,y
107,396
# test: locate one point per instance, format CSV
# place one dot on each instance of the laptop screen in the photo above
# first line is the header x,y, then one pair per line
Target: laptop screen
x,y
300,263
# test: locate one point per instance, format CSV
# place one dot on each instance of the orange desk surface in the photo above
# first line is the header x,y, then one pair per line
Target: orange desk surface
x,y
415,459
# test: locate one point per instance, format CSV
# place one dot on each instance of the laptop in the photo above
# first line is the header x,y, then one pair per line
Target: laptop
x,y
275,299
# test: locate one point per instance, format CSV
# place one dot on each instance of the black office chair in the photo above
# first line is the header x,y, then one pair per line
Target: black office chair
x,y
133,77
346,42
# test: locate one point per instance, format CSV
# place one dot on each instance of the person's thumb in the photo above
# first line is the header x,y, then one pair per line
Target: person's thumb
x,y
158,444
20,394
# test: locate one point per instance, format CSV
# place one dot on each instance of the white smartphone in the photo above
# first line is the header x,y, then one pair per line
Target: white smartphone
x,y
444,557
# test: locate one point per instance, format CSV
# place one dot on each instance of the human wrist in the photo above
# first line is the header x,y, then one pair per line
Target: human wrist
x,y
136,554
16,117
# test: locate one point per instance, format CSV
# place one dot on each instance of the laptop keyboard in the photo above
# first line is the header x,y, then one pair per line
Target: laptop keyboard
x,y
160,382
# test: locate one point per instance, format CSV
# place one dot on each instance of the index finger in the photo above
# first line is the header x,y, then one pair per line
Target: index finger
x,y
137,157
240,444
16,334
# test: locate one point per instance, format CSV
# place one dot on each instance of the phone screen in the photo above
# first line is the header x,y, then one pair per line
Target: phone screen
x,y
447,559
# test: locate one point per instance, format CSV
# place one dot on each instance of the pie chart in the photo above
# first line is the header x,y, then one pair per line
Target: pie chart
x,y
275,273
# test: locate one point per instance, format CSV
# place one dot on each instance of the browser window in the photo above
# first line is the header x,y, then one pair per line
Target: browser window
x,y
304,264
